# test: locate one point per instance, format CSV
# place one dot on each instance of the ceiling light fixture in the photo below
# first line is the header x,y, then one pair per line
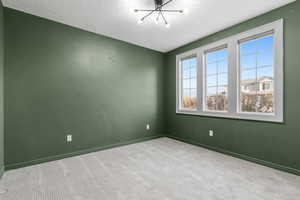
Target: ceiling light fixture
x,y
159,4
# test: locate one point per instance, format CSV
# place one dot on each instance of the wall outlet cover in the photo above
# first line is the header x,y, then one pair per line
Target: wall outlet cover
x,y
69,138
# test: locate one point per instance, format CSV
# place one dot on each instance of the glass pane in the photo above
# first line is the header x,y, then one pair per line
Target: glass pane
x,y
222,101
211,58
186,84
189,83
265,72
248,102
211,80
248,75
266,58
256,85
222,67
211,69
222,55
193,62
211,99
223,79
264,102
248,61
193,84
186,93
186,73
265,44
211,91
193,93
248,48
185,66
216,93
193,72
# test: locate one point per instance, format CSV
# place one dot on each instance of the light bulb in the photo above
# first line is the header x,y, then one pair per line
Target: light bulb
x,y
156,21
140,21
185,11
167,25
133,10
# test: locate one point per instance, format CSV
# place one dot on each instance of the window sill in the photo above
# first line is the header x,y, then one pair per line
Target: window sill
x,y
239,116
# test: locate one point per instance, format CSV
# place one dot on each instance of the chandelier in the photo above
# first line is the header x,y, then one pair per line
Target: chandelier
x,y
159,11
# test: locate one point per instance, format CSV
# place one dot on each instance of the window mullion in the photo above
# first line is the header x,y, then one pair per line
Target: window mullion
x,y
200,86
233,75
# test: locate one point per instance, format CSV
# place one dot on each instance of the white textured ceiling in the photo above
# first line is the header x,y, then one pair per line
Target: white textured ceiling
x,y
114,18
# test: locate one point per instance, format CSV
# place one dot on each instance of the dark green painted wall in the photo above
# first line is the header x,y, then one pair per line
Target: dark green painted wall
x,y
1,89
271,142
61,80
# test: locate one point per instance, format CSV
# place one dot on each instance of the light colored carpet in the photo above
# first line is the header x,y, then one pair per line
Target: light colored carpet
x,y
160,169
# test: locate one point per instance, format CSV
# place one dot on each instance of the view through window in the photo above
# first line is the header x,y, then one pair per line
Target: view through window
x,y
256,75
189,83
217,80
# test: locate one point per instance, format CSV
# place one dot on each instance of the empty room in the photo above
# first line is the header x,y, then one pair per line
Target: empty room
x,y
149,100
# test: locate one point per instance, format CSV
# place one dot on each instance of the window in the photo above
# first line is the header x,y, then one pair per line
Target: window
x,y
216,68
257,74
189,83
237,77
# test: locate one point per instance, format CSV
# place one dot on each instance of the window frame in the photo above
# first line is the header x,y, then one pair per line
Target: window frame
x,y
232,44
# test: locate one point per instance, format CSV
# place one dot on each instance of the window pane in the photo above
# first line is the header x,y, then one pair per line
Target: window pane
x,y
186,73
248,75
211,80
256,84
211,68
222,99
223,67
216,84
265,59
186,83
193,84
248,61
189,83
211,100
223,79
194,72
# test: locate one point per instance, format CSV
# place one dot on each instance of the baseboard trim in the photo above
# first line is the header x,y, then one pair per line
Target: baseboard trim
x,y
241,156
76,153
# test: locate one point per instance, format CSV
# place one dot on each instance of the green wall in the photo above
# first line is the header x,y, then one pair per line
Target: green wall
x,y
268,143
1,89
61,80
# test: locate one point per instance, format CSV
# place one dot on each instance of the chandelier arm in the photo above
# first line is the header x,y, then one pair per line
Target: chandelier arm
x,y
157,18
148,10
172,11
164,18
158,8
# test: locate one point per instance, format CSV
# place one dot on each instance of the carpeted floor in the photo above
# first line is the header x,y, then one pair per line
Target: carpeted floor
x,y
160,169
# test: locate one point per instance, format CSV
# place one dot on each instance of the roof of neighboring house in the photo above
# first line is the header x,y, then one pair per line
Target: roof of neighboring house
x,y
250,81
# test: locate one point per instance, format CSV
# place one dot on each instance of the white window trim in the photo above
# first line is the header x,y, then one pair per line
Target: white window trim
x,y
233,73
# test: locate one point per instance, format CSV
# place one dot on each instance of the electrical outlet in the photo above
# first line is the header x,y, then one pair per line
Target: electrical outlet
x,y
148,127
69,138
211,133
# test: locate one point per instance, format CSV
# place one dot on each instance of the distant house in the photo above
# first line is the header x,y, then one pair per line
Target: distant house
x,y
257,95
264,86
